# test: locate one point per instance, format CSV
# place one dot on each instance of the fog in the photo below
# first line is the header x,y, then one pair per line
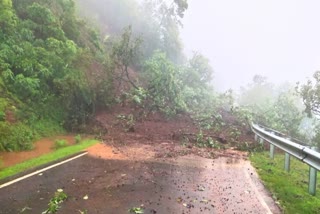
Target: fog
x,y
277,39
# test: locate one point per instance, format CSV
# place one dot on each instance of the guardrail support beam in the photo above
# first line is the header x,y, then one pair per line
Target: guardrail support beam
x,y
271,151
287,162
312,180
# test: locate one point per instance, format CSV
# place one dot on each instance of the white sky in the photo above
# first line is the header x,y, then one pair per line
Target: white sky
x,y
279,39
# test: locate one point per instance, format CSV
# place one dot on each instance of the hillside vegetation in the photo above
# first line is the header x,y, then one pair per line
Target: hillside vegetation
x,y
56,70
45,55
63,61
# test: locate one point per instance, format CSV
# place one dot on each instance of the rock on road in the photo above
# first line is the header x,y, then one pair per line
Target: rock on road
x,y
117,181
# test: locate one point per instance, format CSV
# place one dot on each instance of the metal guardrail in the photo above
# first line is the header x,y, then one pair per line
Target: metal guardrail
x,y
301,152
284,135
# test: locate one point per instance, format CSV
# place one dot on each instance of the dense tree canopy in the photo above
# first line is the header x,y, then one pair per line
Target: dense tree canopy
x,y
39,64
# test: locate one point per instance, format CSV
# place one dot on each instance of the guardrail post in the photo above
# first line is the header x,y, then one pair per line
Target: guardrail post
x,y
312,180
256,137
271,151
261,141
292,148
287,162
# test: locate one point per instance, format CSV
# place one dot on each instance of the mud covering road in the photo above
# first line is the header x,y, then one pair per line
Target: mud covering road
x,y
116,180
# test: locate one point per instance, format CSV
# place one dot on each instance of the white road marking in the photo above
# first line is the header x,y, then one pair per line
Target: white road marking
x,y
40,171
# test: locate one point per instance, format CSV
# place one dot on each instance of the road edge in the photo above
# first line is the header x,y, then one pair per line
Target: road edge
x,y
37,170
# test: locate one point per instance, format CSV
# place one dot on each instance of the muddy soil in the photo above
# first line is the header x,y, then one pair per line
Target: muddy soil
x,y
41,147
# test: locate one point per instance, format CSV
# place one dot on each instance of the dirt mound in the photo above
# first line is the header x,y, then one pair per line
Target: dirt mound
x,y
169,137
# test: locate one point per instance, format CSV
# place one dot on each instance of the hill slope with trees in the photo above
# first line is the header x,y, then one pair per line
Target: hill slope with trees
x,y
63,61
57,70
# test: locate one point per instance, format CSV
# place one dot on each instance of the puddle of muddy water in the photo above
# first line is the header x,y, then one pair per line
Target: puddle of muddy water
x,y
41,147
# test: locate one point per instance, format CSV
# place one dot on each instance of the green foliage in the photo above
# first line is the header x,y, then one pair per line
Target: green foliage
x,y
125,51
127,122
20,136
3,105
309,93
164,86
277,108
289,113
55,201
234,134
58,144
16,137
136,210
243,114
57,71
203,141
139,95
46,127
77,138
43,22
45,65
7,16
2,116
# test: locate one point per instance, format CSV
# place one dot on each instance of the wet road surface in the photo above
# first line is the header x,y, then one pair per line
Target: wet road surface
x,y
114,184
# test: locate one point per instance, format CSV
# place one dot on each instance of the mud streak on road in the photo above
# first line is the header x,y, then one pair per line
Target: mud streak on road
x,y
115,181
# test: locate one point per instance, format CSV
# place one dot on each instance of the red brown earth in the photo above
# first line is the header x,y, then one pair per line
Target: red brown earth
x,y
149,167
41,147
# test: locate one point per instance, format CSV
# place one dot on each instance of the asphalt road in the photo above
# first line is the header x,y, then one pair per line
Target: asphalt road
x,y
187,184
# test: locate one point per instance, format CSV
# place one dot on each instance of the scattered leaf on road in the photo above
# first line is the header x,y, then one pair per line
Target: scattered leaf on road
x,y
136,210
201,188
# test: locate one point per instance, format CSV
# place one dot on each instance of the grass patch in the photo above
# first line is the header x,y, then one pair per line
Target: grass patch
x,y
55,155
290,189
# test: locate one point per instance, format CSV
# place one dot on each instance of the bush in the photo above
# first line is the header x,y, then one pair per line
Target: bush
x,y
2,116
3,106
15,137
77,139
1,163
47,127
60,144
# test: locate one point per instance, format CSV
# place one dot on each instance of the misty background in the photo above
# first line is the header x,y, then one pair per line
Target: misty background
x,y
276,39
